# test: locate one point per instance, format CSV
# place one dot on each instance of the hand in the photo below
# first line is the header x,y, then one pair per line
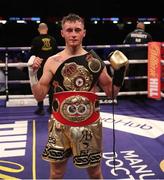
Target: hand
x,y
34,63
119,63
33,66
117,59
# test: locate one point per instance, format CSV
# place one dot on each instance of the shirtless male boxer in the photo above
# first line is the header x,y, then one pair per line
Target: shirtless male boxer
x,y
75,127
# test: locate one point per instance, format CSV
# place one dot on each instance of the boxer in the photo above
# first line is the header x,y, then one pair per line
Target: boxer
x,y
75,127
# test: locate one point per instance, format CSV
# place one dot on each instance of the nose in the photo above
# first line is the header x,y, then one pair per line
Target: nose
x,y
74,33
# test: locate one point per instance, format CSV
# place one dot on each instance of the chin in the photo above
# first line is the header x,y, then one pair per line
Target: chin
x,y
74,44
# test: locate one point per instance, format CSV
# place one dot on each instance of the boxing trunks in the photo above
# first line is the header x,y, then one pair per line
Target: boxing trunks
x,y
75,126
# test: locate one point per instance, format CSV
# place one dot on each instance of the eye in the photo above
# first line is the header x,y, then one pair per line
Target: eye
x,y
78,30
69,30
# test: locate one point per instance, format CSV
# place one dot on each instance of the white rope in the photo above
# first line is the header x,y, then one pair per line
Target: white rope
x,y
16,81
100,94
27,81
17,96
14,64
135,77
114,46
17,48
125,93
87,47
21,64
135,61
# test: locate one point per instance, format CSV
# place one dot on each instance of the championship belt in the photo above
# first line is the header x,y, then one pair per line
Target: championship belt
x,y
78,108
78,73
76,77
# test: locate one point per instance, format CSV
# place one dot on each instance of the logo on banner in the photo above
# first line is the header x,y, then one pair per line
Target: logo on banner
x,y
154,70
13,140
136,165
140,126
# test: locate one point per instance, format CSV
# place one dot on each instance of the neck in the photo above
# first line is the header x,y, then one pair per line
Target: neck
x,y
74,50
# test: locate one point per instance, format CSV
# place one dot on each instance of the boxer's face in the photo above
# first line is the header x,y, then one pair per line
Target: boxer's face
x,y
73,33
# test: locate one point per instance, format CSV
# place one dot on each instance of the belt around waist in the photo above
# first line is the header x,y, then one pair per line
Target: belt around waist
x,y
76,108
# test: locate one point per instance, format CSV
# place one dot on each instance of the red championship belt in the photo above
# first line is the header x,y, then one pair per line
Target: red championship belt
x,y
78,108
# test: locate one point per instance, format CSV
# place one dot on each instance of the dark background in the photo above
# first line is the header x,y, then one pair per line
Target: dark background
x,y
14,34
82,7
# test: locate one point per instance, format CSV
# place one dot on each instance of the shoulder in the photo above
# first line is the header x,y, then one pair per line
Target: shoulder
x,y
52,62
55,57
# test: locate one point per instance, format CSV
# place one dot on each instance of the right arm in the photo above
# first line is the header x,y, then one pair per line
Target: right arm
x,y
39,88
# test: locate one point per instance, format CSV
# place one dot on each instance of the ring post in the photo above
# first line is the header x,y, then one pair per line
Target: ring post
x,y
154,70
6,76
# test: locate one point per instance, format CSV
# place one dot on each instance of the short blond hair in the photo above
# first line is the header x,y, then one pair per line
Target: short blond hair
x,y
72,18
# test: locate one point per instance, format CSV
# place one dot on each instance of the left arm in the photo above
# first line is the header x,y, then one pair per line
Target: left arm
x,y
105,82
119,63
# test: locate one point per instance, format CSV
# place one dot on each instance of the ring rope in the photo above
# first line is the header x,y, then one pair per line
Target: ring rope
x,y
87,47
27,81
100,94
133,61
16,81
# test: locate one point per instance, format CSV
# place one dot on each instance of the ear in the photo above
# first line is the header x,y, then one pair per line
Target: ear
x,y
61,32
84,33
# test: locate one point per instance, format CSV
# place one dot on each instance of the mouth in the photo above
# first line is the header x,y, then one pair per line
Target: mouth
x,y
73,40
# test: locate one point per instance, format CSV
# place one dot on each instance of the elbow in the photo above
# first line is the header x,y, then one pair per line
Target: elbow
x,y
38,97
38,93
113,92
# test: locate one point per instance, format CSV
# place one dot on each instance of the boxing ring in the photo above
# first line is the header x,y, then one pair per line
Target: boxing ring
x,y
139,130
27,99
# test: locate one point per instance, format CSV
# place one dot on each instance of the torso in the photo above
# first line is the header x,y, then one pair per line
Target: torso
x,y
55,61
